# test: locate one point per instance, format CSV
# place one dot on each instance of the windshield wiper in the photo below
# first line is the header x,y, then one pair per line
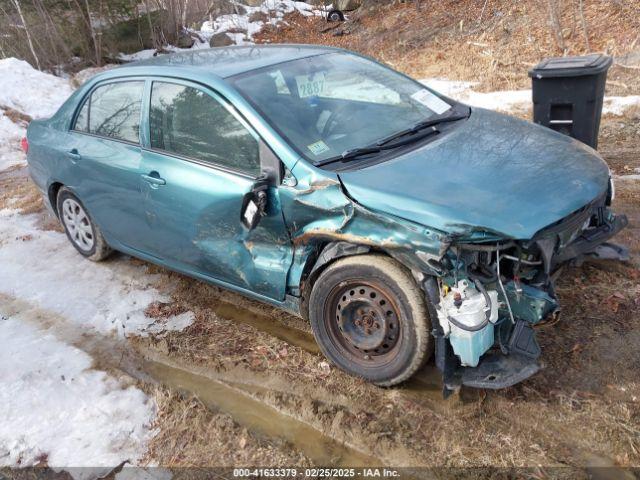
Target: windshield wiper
x,y
430,122
349,154
375,148
386,143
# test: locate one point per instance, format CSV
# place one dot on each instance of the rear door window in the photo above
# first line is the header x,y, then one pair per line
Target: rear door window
x,y
113,111
189,122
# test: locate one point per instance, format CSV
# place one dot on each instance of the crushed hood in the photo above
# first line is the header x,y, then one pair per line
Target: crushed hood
x,y
492,172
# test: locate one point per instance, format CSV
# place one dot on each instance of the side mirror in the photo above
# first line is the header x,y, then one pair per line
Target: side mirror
x,y
254,204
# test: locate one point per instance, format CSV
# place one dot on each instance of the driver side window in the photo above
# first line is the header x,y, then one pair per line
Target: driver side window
x,y
190,123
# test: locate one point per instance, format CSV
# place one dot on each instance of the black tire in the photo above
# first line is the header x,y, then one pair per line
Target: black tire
x,y
335,16
370,319
94,247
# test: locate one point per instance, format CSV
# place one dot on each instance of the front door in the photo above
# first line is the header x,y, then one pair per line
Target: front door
x,y
201,162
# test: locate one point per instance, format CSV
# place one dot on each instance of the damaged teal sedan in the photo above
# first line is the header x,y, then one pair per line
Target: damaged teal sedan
x,y
398,221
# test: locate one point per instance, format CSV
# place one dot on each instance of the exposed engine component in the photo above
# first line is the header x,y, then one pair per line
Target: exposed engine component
x,y
467,314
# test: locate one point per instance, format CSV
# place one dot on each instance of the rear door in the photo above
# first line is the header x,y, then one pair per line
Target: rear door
x,y
106,156
201,159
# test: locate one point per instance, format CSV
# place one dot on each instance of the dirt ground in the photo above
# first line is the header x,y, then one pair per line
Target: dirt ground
x,y
245,384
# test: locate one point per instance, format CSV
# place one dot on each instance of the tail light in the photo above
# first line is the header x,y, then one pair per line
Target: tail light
x,y
24,144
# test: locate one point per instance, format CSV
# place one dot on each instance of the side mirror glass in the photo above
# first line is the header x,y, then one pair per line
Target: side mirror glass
x,y
254,204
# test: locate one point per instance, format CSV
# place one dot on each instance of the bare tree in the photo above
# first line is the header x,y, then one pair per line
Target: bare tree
x,y
584,25
16,3
556,26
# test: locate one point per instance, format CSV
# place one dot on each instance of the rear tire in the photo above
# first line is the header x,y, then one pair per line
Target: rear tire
x,y
81,230
370,319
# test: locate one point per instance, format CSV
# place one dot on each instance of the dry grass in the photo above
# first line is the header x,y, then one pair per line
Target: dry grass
x,y
457,40
192,435
620,142
18,192
14,115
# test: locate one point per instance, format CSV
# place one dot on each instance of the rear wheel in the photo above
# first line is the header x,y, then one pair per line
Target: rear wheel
x,y
369,318
81,231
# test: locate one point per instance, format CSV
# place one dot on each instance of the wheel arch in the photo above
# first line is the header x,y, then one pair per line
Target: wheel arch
x,y
52,194
327,254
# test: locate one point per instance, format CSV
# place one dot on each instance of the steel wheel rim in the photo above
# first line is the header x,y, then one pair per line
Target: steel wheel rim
x,y
78,225
364,323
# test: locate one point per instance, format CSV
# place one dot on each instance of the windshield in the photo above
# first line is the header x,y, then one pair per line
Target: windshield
x,y
330,104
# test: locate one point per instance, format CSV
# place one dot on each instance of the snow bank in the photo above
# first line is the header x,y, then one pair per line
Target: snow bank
x,y
30,91
55,408
513,100
42,268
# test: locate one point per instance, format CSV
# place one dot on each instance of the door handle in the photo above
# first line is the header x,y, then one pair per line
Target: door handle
x,y
74,155
154,179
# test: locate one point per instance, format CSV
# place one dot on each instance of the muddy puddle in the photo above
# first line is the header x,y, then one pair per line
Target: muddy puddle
x,y
258,417
266,324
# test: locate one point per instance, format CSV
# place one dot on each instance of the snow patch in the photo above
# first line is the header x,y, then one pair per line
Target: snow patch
x,y
56,408
513,100
47,271
10,136
618,105
237,26
241,29
626,177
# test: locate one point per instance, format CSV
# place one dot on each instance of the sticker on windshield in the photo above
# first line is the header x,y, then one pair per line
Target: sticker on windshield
x,y
310,85
318,148
432,101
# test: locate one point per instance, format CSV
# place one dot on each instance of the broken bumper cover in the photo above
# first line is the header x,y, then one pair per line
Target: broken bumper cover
x,y
592,244
497,369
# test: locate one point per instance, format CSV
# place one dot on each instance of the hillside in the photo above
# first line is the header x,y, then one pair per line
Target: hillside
x,y
495,42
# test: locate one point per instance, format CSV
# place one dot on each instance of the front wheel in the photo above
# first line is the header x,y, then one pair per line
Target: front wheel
x,y
370,319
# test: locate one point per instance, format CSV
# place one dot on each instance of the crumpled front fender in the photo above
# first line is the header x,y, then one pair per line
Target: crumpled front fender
x,y
318,212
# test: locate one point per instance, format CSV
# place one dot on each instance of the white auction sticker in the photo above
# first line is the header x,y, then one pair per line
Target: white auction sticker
x,y
310,85
428,99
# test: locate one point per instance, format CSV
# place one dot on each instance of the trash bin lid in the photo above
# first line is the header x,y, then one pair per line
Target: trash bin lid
x,y
571,66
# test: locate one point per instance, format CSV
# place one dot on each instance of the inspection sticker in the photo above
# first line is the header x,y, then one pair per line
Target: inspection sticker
x,y
428,99
318,148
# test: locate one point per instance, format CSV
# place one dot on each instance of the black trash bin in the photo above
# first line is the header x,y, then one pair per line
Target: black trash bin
x,y
568,94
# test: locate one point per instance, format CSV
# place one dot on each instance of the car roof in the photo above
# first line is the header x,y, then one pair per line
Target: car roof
x,y
229,61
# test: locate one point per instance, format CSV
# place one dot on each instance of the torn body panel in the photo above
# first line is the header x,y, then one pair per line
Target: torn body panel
x,y
320,213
